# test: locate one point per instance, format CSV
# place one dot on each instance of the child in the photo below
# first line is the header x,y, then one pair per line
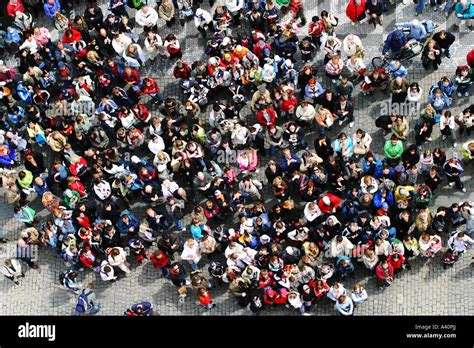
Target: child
x,y
138,249
205,299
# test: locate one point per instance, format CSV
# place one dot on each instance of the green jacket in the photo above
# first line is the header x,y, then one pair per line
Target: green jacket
x,y
393,151
27,180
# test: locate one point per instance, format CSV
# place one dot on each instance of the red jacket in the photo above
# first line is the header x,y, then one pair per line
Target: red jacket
x,y
87,260
76,36
353,10
161,262
74,168
205,299
134,77
334,203
184,73
290,103
379,272
396,264
11,9
79,187
261,118
152,89
316,29
470,58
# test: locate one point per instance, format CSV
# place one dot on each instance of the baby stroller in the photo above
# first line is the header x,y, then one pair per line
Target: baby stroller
x,y
449,258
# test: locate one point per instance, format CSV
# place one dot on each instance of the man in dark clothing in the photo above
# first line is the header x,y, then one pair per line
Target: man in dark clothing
x,y
444,41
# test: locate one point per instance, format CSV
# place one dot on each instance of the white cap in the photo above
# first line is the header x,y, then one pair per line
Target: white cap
x,y
415,22
326,200
135,160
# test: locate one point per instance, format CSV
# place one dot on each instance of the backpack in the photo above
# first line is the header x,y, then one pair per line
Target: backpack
x,y
82,303
62,277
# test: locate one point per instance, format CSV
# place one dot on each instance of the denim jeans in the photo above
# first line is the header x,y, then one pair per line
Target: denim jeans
x,y
178,222
468,226
463,89
194,266
448,6
420,6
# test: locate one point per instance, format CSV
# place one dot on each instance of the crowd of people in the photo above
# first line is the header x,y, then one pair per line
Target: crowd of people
x,y
226,174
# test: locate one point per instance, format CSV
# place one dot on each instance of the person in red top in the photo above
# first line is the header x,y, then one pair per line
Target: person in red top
x,y
397,261
161,261
329,203
74,183
470,58
205,298
150,87
71,35
288,105
355,10
384,272
271,296
182,70
321,288
316,30
87,258
13,6
296,6
266,117
131,76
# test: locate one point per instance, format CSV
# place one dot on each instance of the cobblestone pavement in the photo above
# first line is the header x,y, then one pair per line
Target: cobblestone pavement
x,y
425,290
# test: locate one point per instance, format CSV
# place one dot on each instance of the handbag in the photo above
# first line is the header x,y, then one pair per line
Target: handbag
x,y
361,17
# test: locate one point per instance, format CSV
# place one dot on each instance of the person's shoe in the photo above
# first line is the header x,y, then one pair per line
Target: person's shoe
x,y
351,124
34,266
306,314
466,94
340,122
459,94
451,184
448,55
444,137
17,282
446,14
455,144
23,275
464,189
417,14
429,139
435,8
3,240
183,229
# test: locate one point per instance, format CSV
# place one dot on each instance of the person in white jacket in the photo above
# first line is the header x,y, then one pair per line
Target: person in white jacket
x,y
147,17
340,246
203,21
361,141
305,113
153,45
447,126
331,47
351,45
118,258
120,42
459,241
107,272
345,305
191,253
102,189
336,291
311,211
235,7
12,270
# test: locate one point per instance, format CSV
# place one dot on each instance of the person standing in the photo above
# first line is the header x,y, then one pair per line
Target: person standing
x,y
12,270
453,170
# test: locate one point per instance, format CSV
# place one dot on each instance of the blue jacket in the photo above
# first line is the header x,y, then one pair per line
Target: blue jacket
x,y
349,266
374,169
464,13
16,118
50,10
23,93
418,33
133,221
448,90
378,200
440,103
293,166
349,146
400,72
314,94
394,45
